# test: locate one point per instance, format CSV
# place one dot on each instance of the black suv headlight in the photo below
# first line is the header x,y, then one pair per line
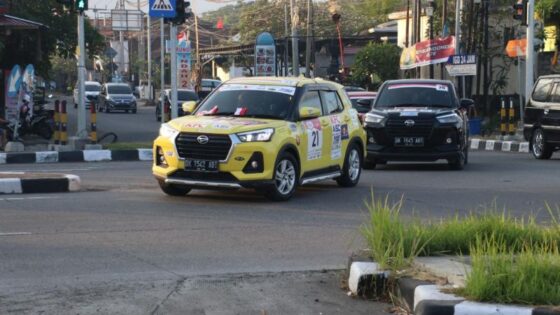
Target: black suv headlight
x,y
376,119
449,119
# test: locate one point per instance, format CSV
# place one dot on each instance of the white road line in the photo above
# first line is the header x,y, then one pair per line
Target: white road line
x,y
26,198
15,233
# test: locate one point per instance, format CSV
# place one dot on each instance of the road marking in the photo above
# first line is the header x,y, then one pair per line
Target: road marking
x,y
15,233
27,198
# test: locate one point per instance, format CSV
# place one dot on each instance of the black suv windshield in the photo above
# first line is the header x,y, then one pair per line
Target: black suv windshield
x,y
119,89
272,102
415,94
93,88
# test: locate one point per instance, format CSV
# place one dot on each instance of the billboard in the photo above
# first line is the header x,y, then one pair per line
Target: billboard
x,y
428,52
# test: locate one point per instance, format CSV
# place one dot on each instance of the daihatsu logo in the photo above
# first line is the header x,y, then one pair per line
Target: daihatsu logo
x,y
202,139
409,123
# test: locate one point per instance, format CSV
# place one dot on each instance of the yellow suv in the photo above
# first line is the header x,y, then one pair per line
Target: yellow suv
x,y
270,134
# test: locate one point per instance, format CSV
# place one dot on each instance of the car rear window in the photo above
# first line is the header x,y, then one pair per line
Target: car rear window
x,y
187,96
415,94
542,89
93,88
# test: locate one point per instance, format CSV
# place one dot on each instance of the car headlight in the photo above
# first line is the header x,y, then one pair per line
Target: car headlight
x,y
168,132
257,135
449,119
375,118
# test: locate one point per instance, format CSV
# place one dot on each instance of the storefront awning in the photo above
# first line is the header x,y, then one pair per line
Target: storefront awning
x,y
15,23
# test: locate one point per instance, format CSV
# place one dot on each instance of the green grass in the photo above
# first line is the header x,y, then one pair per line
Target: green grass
x,y
513,260
127,145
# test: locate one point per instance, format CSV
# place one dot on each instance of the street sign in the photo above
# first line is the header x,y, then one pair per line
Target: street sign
x,y
461,65
162,8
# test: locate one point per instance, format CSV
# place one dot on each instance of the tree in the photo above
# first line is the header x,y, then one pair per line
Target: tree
x,y
376,63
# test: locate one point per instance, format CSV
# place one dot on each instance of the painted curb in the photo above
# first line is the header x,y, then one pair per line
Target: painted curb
x,y
76,156
66,183
425,298
499,145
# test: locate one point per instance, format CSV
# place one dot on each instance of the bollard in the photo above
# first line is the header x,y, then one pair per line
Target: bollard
x,y
57,122
503,117
63,124
93,133
511,120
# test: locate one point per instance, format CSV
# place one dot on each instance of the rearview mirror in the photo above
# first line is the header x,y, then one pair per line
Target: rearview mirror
x,y
309,113
189,107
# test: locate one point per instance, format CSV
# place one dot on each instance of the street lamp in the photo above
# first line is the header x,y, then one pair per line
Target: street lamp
x,y
336,19
430,13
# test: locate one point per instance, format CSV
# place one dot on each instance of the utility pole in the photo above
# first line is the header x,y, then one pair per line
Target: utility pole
x,y
121,48
407,34
530,49
308,42
149,35
173,48
458,8
82,130
295,48
286,42
162,70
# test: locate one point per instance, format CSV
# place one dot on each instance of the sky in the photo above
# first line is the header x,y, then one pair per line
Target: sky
x,y
200,6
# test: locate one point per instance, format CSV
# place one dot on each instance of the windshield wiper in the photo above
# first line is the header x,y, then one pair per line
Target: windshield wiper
x,y
263,116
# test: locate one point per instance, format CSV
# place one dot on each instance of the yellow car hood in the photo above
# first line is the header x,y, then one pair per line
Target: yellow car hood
x,y
222,125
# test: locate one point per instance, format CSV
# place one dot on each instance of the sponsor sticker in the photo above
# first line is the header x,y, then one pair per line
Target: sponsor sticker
x,y
344,132
314,139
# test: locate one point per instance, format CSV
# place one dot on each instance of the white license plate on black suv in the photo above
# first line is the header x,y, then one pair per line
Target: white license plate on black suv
x,y
409,141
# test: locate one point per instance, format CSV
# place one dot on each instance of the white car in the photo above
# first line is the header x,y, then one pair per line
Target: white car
x,y
92,89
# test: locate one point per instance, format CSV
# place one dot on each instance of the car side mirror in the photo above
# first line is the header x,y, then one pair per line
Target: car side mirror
x,y
466,103
364,103
309,113
189,107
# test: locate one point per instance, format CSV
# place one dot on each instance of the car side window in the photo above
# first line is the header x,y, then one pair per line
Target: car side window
x,y
332,102
542,89
311,99
555,95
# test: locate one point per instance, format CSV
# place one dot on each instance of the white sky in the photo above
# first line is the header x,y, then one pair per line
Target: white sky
x,y
199,6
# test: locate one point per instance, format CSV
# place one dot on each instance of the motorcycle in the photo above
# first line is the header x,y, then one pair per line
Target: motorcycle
x,y
40,123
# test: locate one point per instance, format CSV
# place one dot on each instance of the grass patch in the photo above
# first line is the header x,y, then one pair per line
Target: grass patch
x,y
513,260
127,145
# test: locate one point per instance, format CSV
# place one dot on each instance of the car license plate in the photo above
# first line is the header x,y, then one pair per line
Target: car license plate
x,y
201,165
409,141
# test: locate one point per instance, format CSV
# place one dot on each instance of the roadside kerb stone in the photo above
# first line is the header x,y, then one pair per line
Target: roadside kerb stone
x,y
426,298
76,156
27,183
498,145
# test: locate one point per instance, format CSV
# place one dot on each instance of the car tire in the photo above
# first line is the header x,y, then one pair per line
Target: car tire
x,y
540,149
107,110
285,178
352,168
173,190
458,163
134,111
369,165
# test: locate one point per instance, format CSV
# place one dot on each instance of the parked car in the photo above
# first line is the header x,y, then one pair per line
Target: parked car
x,y
270,134
349,88
418,120
183,95
116,96
541,125
362,101
92,90
207,86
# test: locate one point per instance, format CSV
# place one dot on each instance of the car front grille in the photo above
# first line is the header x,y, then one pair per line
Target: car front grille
x,y
217,148
396,127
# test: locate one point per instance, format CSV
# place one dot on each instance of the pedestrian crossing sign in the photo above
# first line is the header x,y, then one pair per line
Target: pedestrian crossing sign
x,y
162,8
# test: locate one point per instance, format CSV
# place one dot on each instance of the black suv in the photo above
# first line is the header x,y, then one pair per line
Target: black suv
x,y
541,125
418,120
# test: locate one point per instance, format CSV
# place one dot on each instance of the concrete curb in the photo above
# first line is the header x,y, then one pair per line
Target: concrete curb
x,y
425,298
499,145
76,156
18,185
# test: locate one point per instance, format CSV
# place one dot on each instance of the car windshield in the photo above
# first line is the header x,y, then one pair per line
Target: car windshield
x,y
414,95
184,96
261,101
119,89
93,88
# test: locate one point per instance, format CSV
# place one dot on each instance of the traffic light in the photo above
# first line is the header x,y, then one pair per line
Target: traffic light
x,y
520,11
81,5
182,12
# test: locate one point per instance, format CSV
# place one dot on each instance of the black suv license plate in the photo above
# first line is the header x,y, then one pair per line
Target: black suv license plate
x,y
409,141
201,165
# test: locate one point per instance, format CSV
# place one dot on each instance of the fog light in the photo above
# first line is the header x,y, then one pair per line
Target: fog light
x,y
449,140
160,158
371,140
255,164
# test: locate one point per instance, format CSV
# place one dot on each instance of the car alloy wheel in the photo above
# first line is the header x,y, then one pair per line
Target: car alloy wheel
x,y
539,147
352,167
285,177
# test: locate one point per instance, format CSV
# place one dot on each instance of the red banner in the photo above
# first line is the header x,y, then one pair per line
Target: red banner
x,y
428,52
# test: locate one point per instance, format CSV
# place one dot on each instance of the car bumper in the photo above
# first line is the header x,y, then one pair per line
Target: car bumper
x,y
379,152
121,106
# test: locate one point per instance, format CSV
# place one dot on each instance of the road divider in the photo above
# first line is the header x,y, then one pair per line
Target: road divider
x,y
28,183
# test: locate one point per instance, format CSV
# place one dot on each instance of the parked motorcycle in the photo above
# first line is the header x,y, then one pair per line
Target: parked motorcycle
x,y
40,123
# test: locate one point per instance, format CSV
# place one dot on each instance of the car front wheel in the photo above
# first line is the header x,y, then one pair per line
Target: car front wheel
x,y
540,149
173,190
285,178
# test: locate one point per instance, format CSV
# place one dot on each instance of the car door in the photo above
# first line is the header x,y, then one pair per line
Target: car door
x,y
313,151
334,112
552,116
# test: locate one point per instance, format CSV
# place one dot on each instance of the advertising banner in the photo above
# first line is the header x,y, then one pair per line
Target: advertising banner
x,y
516,48
183,62
428,52
461,65
265,55
12,93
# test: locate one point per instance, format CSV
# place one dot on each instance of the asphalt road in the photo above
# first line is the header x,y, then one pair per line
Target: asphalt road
x,y
122,246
